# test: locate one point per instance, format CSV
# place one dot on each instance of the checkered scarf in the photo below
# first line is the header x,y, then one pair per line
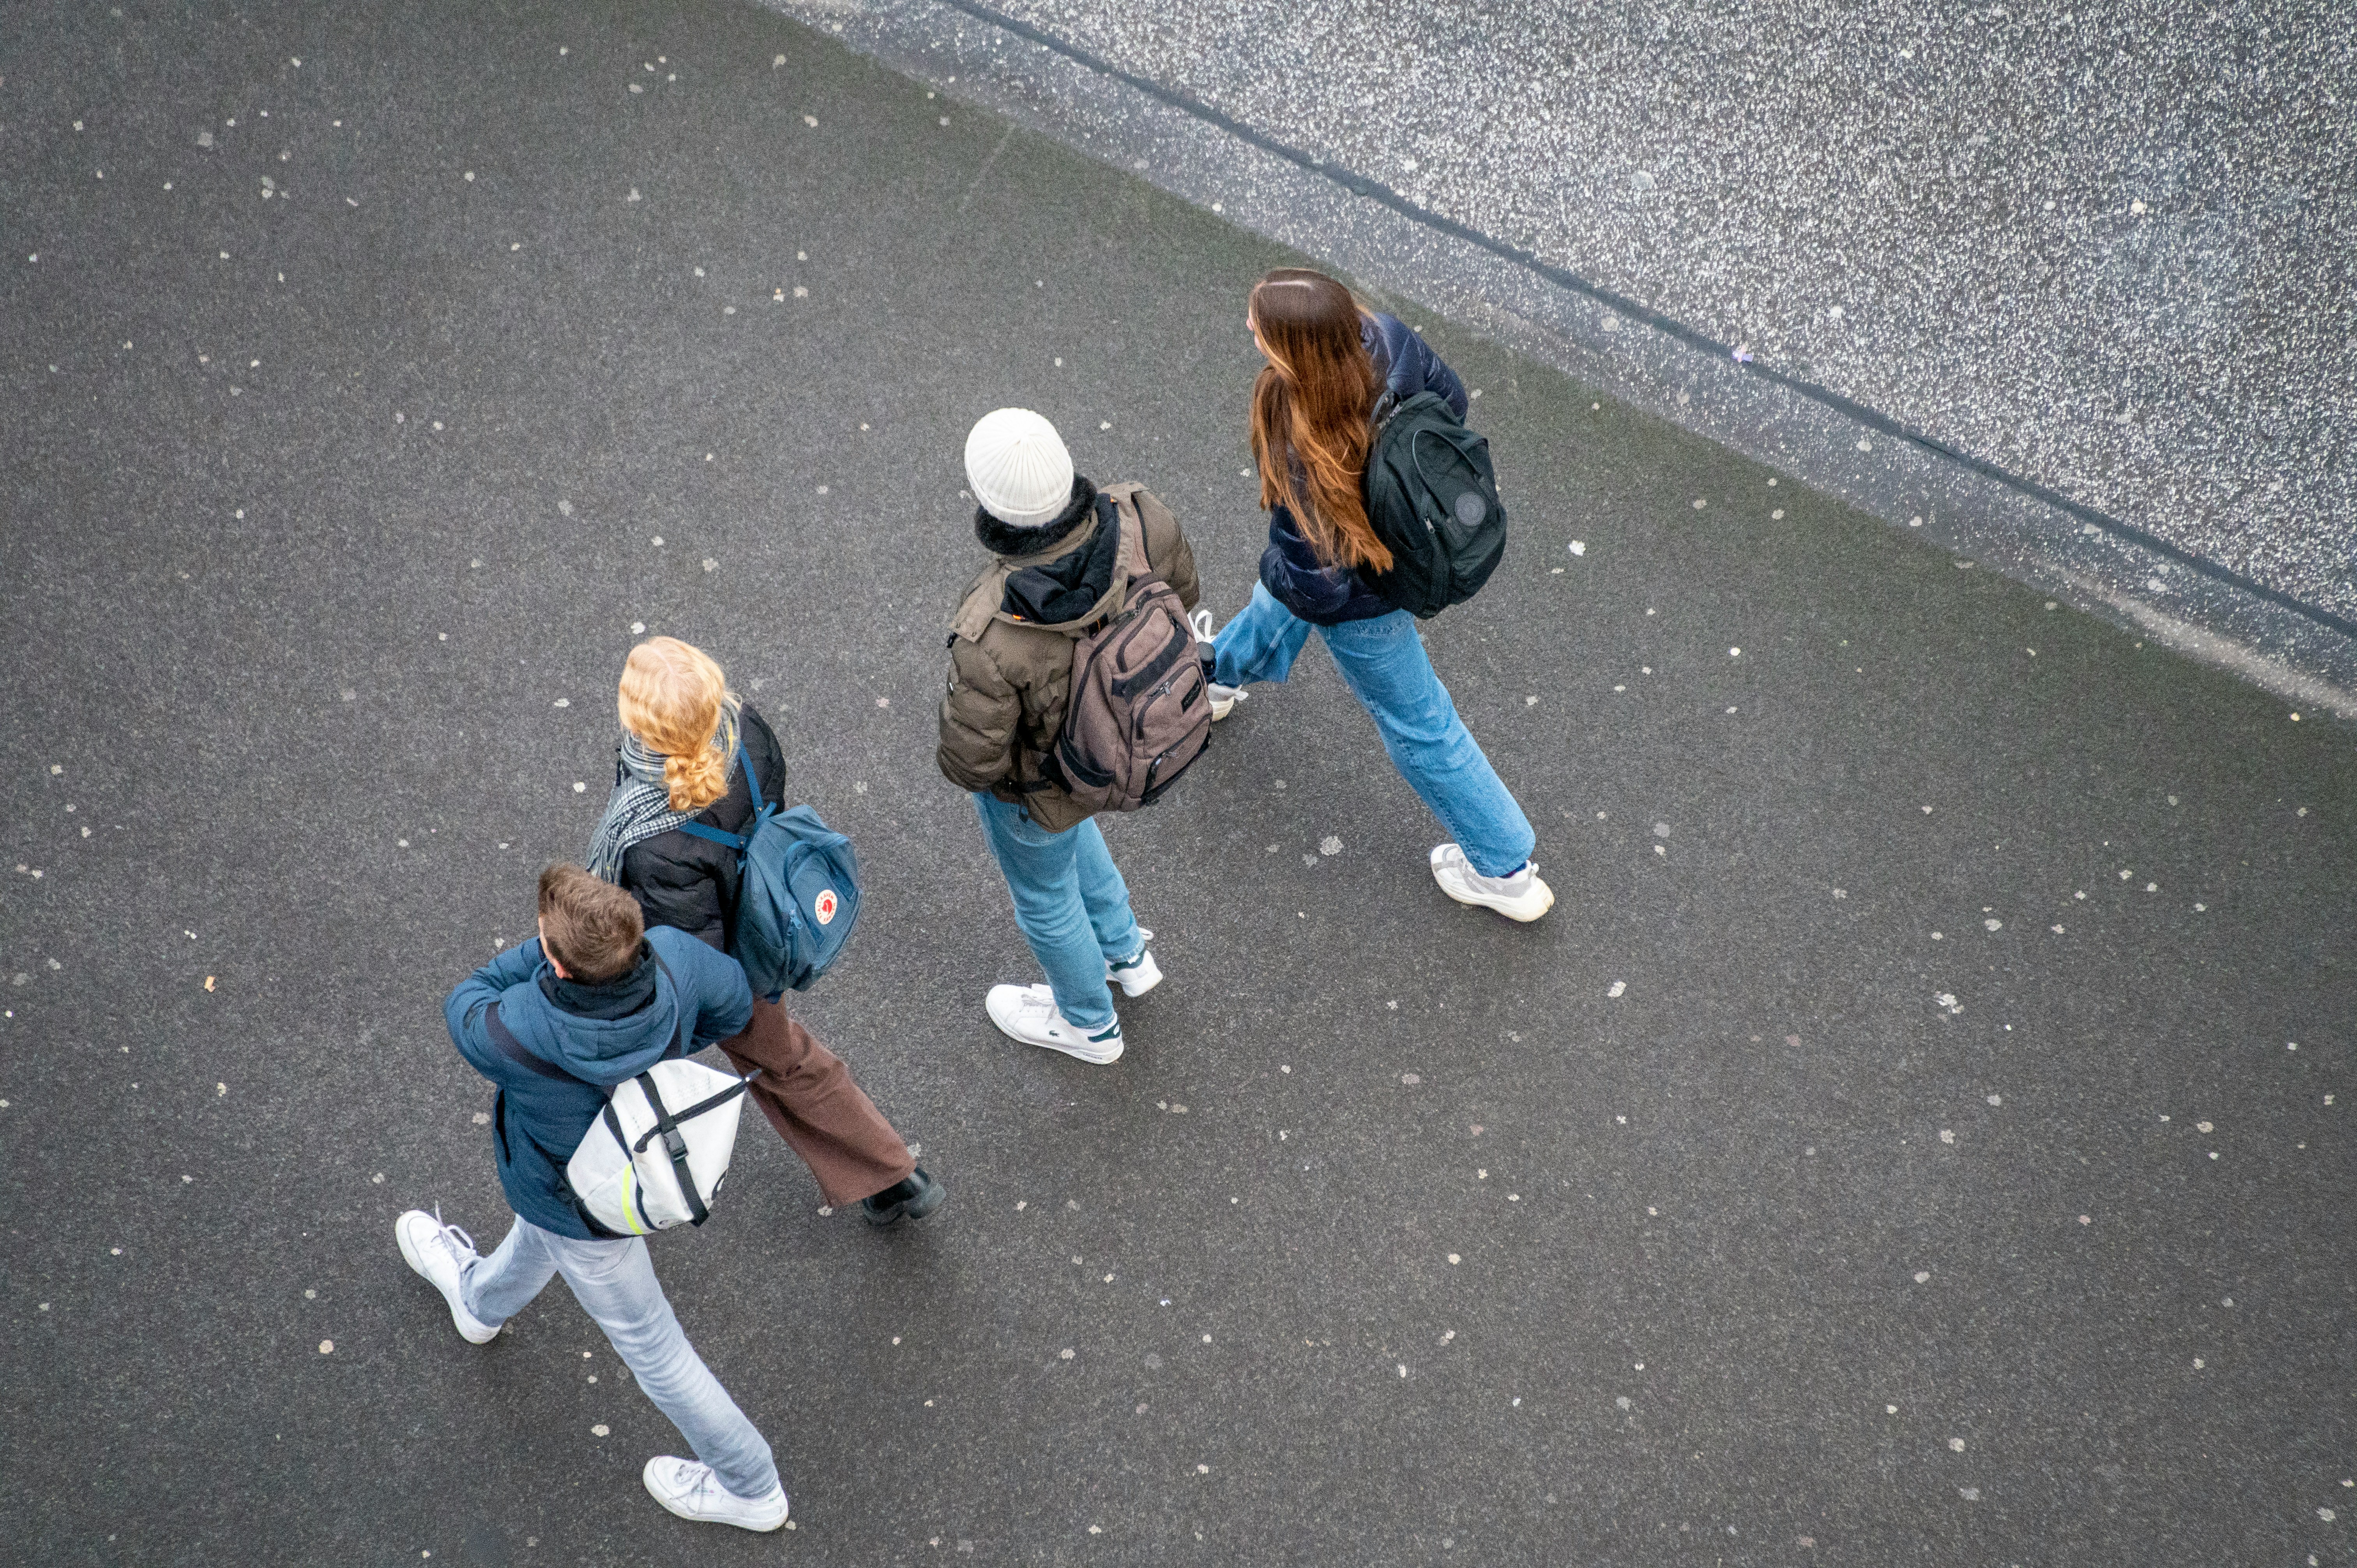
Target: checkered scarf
x,y
640,807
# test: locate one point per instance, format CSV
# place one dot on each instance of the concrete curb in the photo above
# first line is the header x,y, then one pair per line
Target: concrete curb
x,y
1364,230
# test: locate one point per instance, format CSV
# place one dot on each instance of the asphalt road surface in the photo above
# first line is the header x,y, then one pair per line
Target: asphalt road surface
x,y
1912,1137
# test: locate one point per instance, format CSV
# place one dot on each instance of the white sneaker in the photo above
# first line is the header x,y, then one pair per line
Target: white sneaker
x,y
1223,698
1138,975
1522,896
1029,1014
441,1253
691,1491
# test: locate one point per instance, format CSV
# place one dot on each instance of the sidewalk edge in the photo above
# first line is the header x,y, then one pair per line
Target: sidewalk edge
x,y
2107,566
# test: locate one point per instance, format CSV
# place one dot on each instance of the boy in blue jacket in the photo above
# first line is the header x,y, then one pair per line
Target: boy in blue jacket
x,y
555,1024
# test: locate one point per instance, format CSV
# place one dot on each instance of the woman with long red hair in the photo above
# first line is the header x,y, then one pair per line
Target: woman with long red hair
x,y
1329,362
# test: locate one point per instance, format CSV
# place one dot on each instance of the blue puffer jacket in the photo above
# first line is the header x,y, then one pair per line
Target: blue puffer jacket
x,y
693,997
1289,568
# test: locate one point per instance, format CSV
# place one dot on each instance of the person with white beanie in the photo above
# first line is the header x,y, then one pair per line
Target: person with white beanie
x,y
1063,552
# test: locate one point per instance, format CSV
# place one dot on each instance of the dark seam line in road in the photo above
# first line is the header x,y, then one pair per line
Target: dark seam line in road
x,y
1359,185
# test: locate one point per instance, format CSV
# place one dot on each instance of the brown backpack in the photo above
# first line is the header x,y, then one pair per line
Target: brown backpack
x,y
1140,711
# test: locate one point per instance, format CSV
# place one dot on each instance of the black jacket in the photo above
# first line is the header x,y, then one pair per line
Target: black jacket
x,y
1289,567
690,883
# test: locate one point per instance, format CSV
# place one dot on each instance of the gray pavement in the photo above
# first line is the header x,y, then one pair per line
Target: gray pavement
x,y
1918,1133
2108,248
2068,292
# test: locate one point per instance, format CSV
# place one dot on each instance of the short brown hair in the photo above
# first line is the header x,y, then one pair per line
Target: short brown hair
x,y
594,928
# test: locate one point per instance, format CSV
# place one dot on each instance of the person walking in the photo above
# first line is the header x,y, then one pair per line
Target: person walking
x,y
555,1023
686,742
1063,555
1329,363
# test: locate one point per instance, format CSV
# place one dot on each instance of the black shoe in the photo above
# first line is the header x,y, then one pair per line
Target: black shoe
x,y
913,1198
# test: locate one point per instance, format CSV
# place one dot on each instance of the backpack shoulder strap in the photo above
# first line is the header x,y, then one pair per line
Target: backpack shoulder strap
x,y
503,1040
714,835
1122,500
681,1044
752,784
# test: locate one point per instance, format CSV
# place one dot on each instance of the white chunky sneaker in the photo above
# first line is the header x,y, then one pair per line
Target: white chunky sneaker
x,y
691,1491
1029,1014
441,1253
1223,698
1522,896
1138,975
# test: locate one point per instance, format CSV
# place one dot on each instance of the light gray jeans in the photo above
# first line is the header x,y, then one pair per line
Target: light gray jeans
x,y
614,1284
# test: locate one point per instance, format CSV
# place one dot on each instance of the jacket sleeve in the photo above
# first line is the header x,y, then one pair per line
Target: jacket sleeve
x,y
980,713
1290,571
724,1000
1166,550
1440,377
1415,368
463,1012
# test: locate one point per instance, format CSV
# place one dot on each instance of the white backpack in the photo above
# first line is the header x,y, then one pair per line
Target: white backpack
x,y
657,1155
658,1151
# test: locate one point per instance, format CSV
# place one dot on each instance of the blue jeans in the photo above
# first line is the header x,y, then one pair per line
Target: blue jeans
x,y
1069,901
614,1284
1382,661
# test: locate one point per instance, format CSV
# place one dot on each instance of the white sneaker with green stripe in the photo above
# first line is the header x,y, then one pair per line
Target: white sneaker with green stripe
x,y
1138,975
1029,1014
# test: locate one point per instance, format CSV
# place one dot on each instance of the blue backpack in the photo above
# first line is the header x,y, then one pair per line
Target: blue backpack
x,y
798,892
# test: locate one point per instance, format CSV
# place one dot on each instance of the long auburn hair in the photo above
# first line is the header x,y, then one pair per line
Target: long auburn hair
x,y
1309,408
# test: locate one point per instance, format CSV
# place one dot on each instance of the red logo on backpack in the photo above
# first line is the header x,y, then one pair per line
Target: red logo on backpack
x,y
824,907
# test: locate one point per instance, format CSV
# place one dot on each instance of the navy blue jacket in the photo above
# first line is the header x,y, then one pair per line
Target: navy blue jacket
x,y
541,1112
1289,567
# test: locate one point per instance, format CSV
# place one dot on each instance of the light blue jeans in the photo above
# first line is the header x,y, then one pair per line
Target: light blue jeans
x,y
614,1284
1384,662
1069,901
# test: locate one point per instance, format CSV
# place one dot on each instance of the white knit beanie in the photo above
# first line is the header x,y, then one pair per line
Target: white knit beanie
x,y
1019,468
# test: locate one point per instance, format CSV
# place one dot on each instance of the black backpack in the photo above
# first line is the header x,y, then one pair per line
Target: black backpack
x,y
1432,496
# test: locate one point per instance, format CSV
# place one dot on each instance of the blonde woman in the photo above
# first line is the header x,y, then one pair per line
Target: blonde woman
x,y
686,742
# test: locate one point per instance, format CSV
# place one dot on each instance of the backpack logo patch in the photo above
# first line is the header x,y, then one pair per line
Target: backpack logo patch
x,y
824,906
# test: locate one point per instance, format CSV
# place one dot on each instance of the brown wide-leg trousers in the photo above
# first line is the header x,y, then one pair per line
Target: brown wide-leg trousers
x,y
808,1095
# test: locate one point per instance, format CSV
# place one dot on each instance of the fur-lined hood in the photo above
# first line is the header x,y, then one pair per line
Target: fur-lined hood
x,y
1002,538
